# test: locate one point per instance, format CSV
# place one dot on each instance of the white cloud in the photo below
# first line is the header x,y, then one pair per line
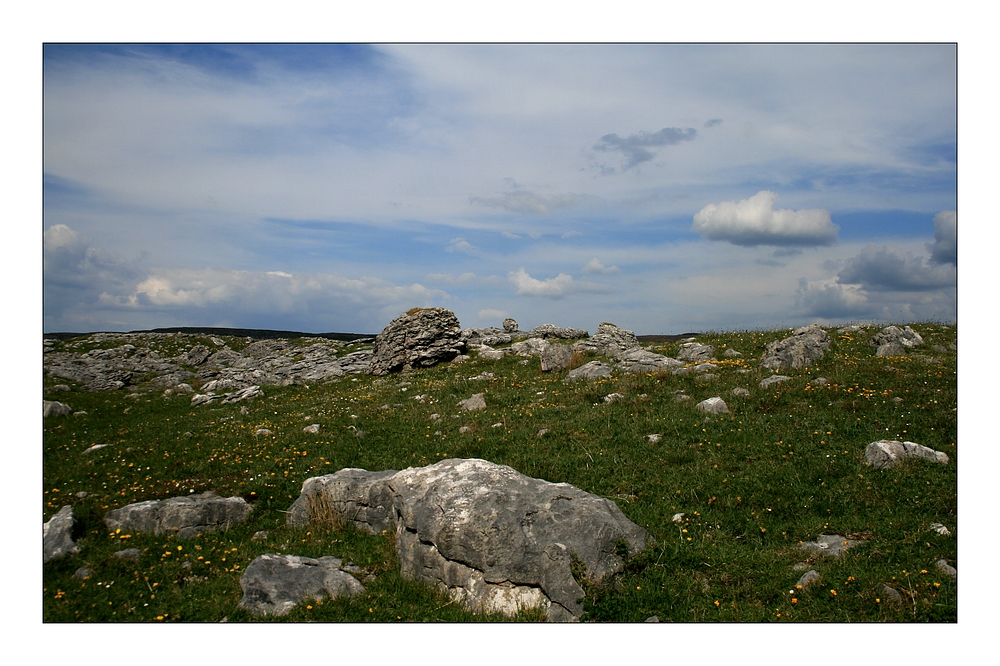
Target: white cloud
x,y
557,287
879,268
459,244
755,221
944,249
529,203
595,266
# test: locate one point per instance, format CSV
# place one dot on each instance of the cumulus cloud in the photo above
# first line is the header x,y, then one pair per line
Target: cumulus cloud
x,y
944,249
459,244
755,221
829,300
878,268
636,147
595,266
557,287
529,203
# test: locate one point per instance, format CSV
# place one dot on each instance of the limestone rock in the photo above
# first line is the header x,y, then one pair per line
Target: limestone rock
x,y
556,357
274,584
894,341
609,340
187,516
884,453
946,569
509,325
477,401
546,331
530,347
57,535
589,371
830,544
713,406
773,379
494,539
419,338
693,351
805,345
197,355
740,392
808,578
643,361
485,336
55,408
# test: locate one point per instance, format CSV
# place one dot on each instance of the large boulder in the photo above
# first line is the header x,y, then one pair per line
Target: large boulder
x,y
885,453
589,372
690,352
274,584
805,345
494,539
609,340
530,347
55,408
556,357
57,535
419,338
186,516
642,360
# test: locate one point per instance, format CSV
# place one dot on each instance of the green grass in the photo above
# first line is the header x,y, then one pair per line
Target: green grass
x,y
786,465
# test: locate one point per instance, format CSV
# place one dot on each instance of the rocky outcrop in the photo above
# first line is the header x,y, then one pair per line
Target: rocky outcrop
x,y
57,535
187,516
589,372
691,352
894,341
642,360
556,357
884,453
494,539
420,338
530,347
485,336
773,379
509,325
609,340
274,584
805,345
547,331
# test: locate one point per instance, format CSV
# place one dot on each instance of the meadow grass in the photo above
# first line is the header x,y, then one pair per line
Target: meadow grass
x,y
784,466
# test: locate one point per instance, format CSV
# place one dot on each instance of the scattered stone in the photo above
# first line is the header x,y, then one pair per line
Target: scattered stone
x,y
678,518
477,401
83,573
891,595
609,340
260,535
556,357
946,569
773,379
461,358
805,345
464,429
509,325
311,429
530,347
713,406
262,432
57,535
547,331
613,397
693,351
800,566
830,544
482,376
95,447
490,354
81,495
695,369
543,432
55,408
485,336
808,578
740,392
274,584
242,394
897,399
493,539
641,360
884,453
652,619
419,338
680,396
185,516
894,341
732,353
197,355
850,329
707,377
59,387
129,554
819,381
591,371
940,529
654,438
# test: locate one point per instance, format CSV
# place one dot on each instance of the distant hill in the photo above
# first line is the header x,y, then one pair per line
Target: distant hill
x,y
255,333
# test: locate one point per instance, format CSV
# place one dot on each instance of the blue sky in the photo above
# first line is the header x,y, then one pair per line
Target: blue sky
x,y
665,188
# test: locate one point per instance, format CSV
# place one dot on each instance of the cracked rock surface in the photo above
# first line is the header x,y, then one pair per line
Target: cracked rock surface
x,y
186,516
494,539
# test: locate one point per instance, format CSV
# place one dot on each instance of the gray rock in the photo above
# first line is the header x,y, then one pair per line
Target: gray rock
x,y
946,569
644,361
59,387
83,573
732,353
530,347
694,351
95,447
556,357
808,578
493,539
891,595
55,408
274,584
197,355
940,529
128,554
185,516
509,325
892,348
477,401
652,619
695,369
895,338
57,535
613,397
884,453
609,340
805,345
311,429
485,336
773,379
819,381
713,406
489,354
740,392
830,544
419,338
589,372
546,331
355,496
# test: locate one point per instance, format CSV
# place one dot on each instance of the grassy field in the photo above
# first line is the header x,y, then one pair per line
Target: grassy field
x,y
784,466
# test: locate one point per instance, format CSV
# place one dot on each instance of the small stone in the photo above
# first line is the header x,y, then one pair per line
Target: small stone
x,y
82,494
463,430
773,379
477,401
263,432
543,432
83,573
946,569
129,554
891,595
714,405
311,429
654,618
940,529
808,578
678,517
819,381
260,535
654,438
740,392
613,397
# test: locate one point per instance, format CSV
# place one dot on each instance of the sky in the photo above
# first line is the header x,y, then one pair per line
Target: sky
x,y
665,188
